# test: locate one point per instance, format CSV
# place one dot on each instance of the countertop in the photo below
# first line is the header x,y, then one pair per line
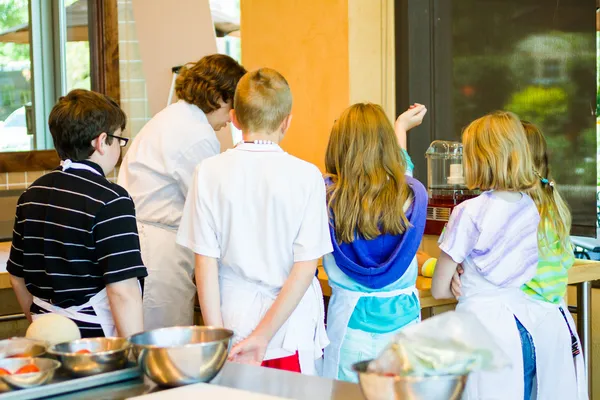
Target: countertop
x,y
244,377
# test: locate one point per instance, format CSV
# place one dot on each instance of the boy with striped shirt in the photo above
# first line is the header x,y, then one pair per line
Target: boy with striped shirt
x,y
75,249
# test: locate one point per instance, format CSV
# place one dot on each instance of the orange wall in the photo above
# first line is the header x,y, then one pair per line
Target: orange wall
x,y
307,41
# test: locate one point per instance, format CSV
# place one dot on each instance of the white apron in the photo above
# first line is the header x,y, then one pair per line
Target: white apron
x,y
244,304
341,306
169,289
555,374
573,372
98,302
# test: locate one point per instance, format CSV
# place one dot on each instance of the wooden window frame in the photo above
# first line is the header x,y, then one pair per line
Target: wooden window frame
x,y
103,26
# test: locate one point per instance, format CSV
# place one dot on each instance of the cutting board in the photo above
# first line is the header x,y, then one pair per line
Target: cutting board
x,y
205,391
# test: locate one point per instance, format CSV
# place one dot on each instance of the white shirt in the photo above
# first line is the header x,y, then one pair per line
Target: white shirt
x,y
160,162
258,210
497,237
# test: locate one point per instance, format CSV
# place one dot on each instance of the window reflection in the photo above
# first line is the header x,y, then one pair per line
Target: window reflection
x,y
537,59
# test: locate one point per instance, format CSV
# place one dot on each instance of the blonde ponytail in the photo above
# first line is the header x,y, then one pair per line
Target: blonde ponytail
x,y
554,212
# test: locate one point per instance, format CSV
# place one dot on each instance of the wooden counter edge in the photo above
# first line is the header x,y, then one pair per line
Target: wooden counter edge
x,y
5,281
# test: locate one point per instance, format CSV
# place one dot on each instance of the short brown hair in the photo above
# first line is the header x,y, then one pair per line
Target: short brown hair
x,y
262,100
209,80
80,117
496,154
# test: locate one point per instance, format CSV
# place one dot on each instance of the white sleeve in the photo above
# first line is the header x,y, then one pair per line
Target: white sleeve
x,y
313,240
189,159
197,228
460,235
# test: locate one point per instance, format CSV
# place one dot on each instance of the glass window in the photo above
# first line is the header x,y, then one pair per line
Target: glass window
x,y
226,17
466,58
44,53
539,62
15,76
77,46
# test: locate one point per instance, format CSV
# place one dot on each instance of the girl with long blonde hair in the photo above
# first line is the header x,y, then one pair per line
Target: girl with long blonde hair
x,y
495,238
556,257
377,218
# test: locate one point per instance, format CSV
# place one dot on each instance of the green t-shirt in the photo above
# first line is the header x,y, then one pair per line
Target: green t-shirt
x,y
551,278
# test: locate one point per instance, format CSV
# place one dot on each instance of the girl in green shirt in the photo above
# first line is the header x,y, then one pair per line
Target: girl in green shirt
x,y
549,285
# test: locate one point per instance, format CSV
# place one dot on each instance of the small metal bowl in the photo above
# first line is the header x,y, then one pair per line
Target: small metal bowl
x,y
107,354
179,356
21,348
380,387
24,381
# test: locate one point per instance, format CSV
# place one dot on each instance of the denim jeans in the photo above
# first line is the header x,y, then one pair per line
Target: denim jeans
x,y
528,359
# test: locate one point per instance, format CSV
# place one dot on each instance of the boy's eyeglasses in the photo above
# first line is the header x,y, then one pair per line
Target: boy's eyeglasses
x,y
122,140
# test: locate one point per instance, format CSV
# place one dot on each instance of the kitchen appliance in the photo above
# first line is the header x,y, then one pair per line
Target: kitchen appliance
x,y
445,183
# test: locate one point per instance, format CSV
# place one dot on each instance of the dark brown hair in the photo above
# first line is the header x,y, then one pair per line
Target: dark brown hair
x,y
80,117
209,80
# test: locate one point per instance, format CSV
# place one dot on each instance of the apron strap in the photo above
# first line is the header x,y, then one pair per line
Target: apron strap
x,y
98,302
67,312
66,164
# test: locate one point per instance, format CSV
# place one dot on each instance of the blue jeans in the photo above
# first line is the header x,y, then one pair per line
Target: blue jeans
x,y
528,359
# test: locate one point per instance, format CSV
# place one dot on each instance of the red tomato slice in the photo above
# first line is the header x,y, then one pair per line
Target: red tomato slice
x,y
27,369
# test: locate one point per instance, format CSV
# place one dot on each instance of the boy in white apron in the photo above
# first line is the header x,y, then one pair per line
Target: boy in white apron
x,y
75,249
257,220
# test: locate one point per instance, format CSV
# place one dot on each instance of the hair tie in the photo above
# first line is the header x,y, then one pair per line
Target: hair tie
x,y
545,181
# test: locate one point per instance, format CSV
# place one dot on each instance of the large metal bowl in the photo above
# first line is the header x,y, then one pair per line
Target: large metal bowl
x,y
182,355
380,387
24,381
107,354
21,348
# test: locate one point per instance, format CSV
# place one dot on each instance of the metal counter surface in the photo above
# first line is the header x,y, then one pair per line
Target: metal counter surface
x,y
238,376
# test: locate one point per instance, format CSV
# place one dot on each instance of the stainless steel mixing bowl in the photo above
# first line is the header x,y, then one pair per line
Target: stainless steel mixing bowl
x,y
21,347
107,354
46,366
380,387
182,355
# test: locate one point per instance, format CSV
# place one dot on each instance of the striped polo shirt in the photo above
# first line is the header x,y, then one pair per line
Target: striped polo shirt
x,y
75,232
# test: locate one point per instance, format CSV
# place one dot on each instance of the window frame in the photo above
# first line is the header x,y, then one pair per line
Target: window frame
x,y
103,28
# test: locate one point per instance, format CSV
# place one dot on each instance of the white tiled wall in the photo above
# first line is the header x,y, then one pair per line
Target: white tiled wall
x,y
134,100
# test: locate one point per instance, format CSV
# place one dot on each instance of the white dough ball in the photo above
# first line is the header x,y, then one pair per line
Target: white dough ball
x,y
53,329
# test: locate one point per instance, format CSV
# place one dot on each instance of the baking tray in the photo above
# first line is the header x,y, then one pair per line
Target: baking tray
x,y
62,383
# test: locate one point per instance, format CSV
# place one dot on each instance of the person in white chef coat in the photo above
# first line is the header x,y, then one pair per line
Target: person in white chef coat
x,y
157,171
256,217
